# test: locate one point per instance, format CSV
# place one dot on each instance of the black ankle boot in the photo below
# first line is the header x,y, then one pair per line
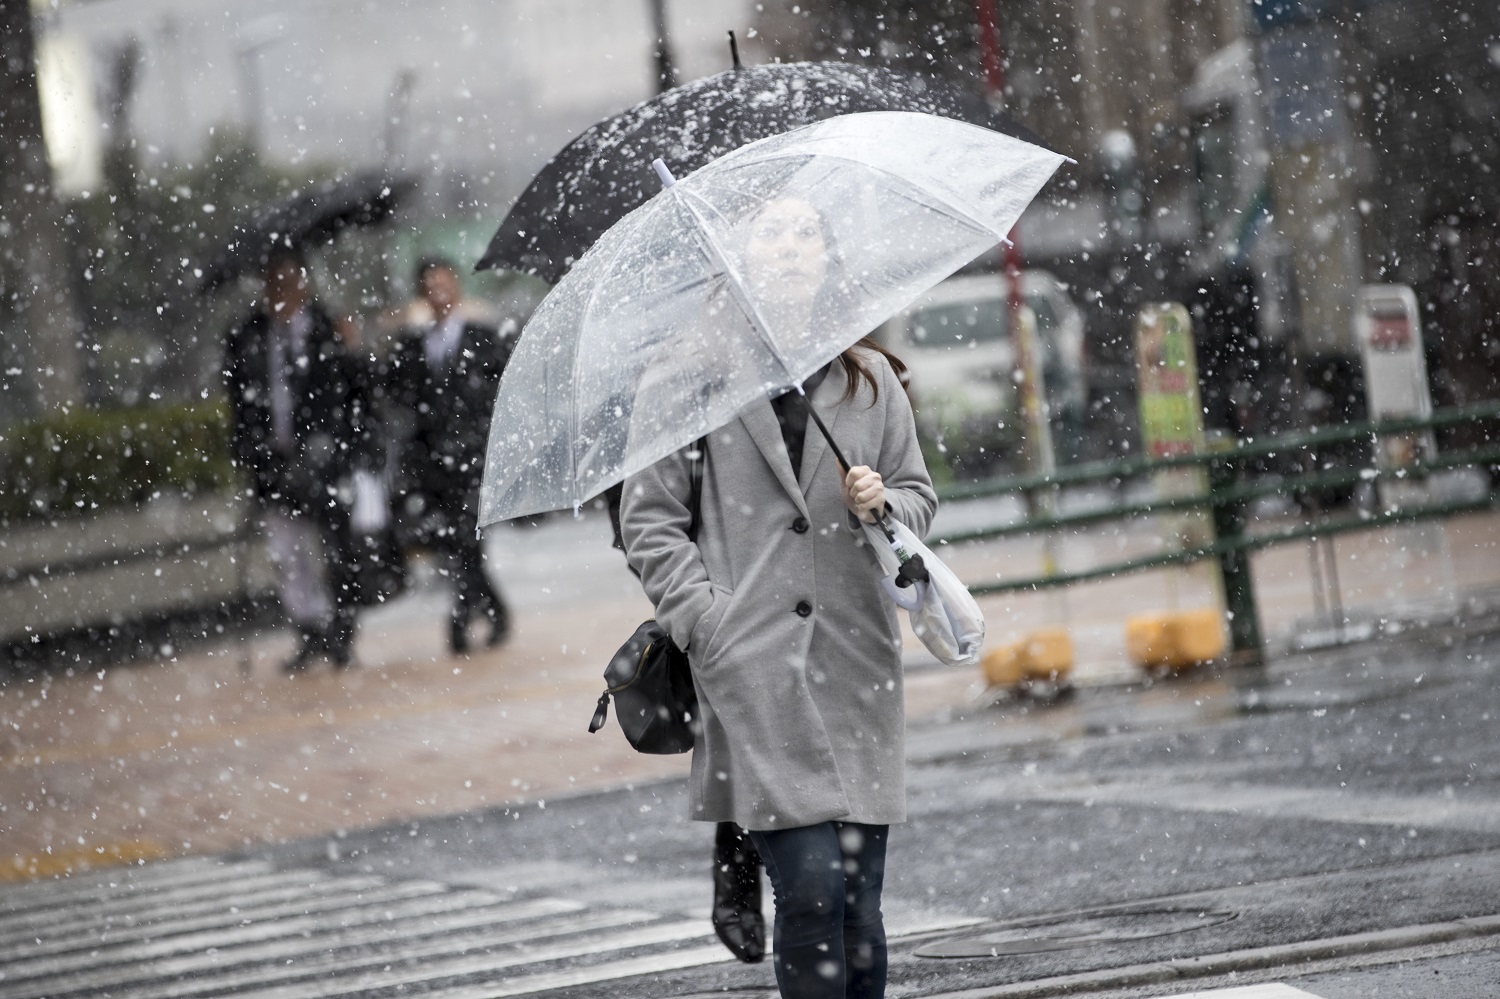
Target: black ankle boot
x,y
458,635
737,917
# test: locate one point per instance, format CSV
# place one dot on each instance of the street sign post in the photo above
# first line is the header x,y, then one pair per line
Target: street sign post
x,y
1388,330
1166,363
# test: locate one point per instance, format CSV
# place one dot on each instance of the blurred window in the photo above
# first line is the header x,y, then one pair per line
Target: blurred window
x,y
958,325
1045,308
1213,142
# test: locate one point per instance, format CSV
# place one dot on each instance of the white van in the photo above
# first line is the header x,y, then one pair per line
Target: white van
x,y
956,341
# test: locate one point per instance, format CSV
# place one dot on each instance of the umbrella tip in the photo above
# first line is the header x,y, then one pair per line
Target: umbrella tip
x,y
667,180
734,51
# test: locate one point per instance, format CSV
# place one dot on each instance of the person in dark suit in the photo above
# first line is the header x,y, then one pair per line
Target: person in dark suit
x,y
446,375
299,417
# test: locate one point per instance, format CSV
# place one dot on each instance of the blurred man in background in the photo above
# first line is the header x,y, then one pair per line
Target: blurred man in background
x,y
299,411
446,375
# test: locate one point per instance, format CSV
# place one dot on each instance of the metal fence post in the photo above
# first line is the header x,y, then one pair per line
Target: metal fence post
x,y
1234,566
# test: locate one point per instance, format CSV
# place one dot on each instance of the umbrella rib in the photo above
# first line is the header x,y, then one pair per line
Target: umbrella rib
x,y
573,415
757,323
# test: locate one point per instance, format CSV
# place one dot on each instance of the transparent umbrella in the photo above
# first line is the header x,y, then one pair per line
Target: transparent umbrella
x,y
699,301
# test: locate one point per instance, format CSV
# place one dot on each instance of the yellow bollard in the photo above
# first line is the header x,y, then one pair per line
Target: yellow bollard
x,y
1175,641
1047,654
1044,655
1002,666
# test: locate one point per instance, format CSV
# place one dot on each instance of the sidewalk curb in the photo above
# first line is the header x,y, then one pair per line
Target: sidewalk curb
x,y
1186,970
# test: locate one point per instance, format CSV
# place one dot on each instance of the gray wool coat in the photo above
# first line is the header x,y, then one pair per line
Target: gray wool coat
x,y
795,650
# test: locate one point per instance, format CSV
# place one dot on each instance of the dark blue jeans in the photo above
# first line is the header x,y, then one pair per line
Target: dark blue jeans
x,y
830,938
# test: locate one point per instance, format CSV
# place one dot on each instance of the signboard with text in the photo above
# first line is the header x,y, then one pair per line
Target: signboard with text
x,y
1388,329
1166,365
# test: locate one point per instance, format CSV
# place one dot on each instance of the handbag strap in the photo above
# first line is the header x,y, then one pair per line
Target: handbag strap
x,y
695,485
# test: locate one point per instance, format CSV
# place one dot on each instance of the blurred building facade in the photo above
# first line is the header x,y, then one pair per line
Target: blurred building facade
x,y
1255,159
1183,189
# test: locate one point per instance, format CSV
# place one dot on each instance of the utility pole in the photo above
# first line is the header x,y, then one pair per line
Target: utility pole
x,y
666,72
38,316
1037,456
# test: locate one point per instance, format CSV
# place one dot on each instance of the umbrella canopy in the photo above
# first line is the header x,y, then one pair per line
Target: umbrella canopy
x,y
307,218
596,179
740,280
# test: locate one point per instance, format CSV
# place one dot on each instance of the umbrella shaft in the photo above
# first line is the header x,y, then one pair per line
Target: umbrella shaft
x,y
839,454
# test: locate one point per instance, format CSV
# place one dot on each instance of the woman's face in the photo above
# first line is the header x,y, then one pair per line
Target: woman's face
x,y
786,258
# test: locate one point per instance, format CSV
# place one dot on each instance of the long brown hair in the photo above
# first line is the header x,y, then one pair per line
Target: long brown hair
x,y
856,369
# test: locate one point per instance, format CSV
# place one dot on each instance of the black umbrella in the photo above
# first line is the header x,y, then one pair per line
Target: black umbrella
x,y
602,175
308,218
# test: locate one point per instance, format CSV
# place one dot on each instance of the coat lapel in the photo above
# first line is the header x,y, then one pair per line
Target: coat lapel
x,y
760,422
815,447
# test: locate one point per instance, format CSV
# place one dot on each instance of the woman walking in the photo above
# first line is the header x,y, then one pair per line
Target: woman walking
x,y
795,651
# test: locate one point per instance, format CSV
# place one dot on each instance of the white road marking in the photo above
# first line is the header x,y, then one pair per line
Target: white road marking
x,y
526,984
225,971
651,964
116,881
230,926
477,964
203,930
1273,991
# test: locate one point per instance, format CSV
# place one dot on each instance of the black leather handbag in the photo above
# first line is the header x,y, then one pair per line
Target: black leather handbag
x,y
649,677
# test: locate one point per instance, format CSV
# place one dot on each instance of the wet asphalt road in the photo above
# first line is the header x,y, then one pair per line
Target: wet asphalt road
x,y
1350,791
1339,793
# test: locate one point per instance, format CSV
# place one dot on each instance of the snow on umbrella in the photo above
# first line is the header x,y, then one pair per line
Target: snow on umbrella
x,y
685,311
597,179
307,218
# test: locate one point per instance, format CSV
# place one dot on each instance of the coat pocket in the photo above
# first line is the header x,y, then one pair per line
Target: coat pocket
x,y
708,625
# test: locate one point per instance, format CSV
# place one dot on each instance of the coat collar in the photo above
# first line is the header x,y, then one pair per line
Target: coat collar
x,y
760,422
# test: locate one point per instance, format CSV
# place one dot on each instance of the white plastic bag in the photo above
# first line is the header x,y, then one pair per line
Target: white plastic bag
x,y
943,614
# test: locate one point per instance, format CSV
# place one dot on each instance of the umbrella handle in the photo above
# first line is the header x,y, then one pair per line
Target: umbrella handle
x,y
908,599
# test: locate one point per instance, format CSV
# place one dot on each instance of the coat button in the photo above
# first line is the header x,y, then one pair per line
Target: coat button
x,y
803,608
800,525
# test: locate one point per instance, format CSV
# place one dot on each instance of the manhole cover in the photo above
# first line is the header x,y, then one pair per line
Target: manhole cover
x,y
1077,931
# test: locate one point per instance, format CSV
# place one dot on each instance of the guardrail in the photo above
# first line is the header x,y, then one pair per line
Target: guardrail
x,y
120,566
1229,492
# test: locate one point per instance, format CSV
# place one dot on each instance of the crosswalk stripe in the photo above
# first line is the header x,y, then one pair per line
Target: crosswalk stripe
x,y
459,965
1275,990
415,943
92,937
39,895
38,923
675,960
403,900
207,930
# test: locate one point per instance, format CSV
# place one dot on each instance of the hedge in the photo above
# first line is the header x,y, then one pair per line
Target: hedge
x,y
75,463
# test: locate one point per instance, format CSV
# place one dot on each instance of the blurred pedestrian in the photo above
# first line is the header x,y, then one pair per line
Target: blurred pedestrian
x,y
445,375
795,651
300,413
